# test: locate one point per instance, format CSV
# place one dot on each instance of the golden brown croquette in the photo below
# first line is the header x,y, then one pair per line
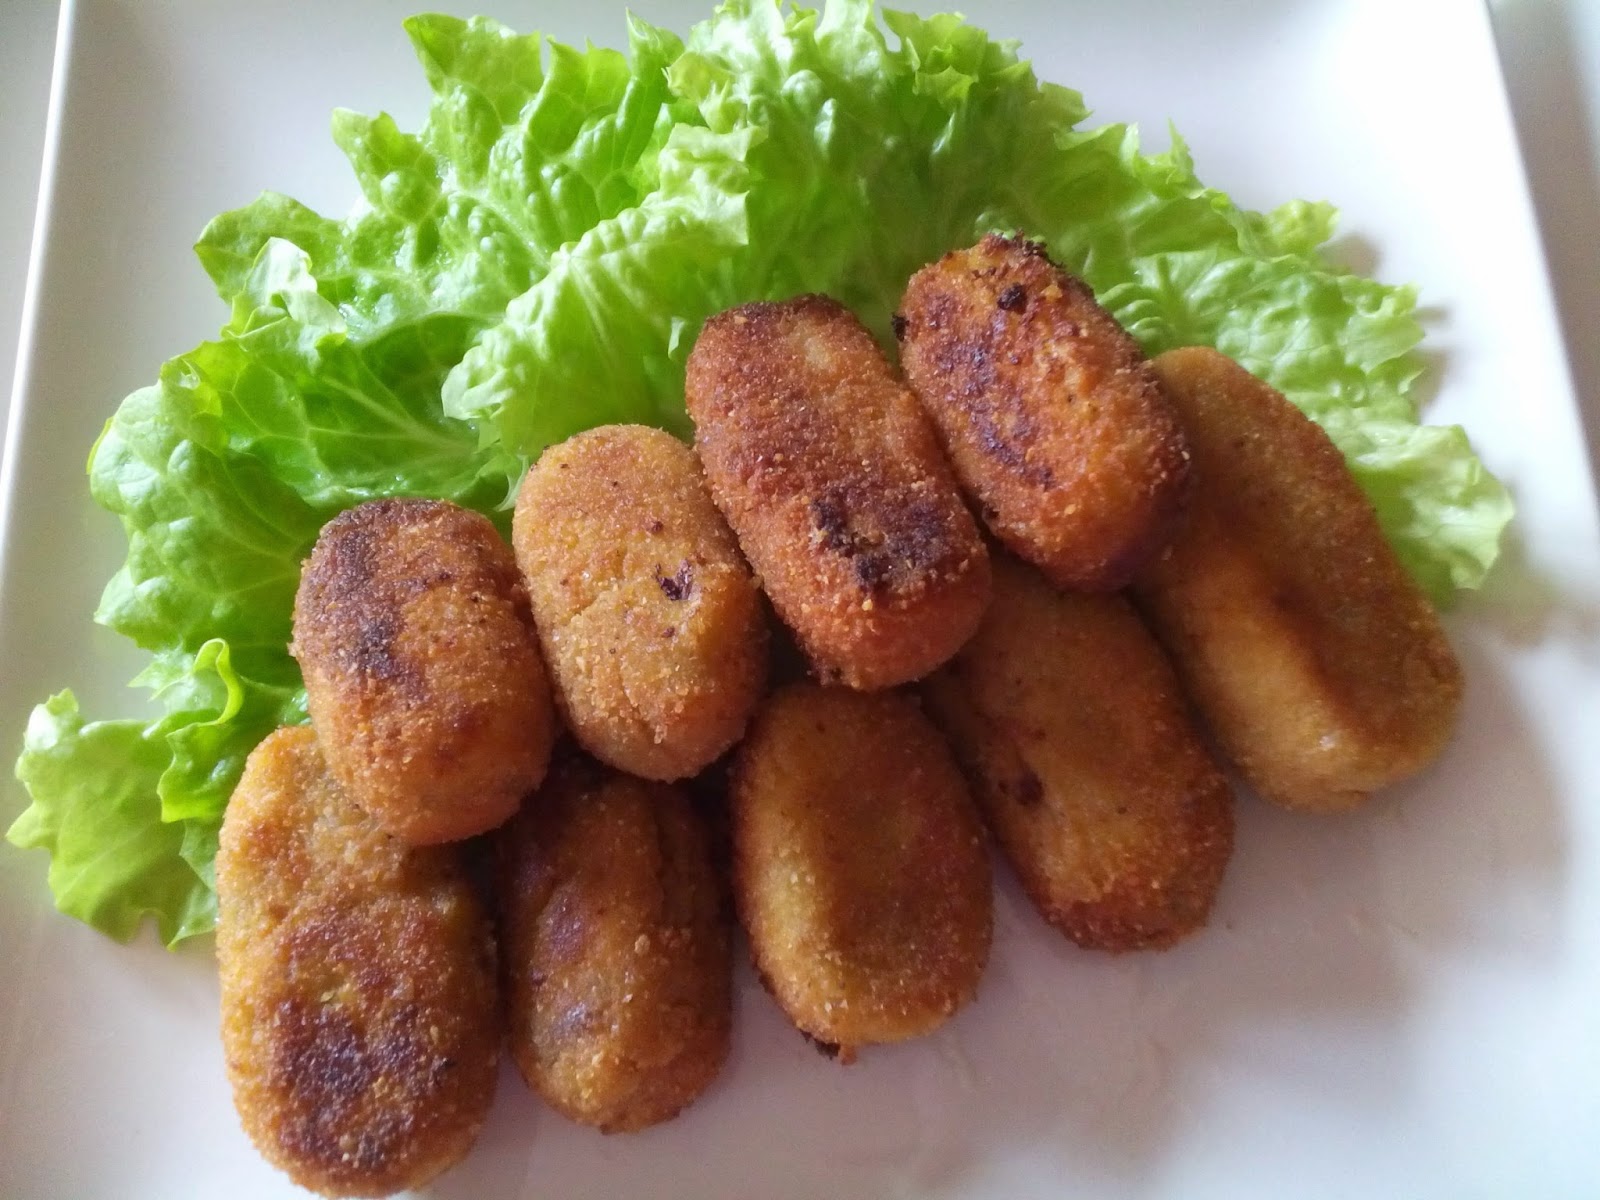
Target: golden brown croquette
x,y
860,868
1315,658
615,944
1075,737
1052,417
360,1018
651,623
831,478
422,670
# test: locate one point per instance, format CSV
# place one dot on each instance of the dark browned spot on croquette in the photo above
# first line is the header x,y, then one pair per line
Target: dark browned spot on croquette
x,y
1026,789
830,521
679,584
331,1068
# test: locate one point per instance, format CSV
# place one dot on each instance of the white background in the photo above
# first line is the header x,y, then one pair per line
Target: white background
x,y
1259,1054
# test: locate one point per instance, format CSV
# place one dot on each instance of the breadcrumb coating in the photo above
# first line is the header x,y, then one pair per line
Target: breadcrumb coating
x,y
1079,747
860,868
830,475
650,620
1315,658
422,670
615,943
1054,421
360,1018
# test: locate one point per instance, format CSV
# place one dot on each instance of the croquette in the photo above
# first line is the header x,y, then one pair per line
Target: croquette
x,y
1053,419
422,669
360,1019
650,621
860,868
831,477
1073,732
1317,661
615,944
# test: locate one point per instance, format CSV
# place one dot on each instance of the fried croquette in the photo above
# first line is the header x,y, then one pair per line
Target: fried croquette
x,y
1315,658
860,868
615,945
422,670
1073,732
831,477
1050,413
360,1019
651,623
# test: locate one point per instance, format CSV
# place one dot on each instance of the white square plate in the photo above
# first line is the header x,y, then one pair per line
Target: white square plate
x,y
1402,1002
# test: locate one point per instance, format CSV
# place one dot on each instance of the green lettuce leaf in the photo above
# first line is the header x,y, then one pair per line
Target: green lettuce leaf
x,y
520,156
538,258
829,135
96,810
129,812
625,292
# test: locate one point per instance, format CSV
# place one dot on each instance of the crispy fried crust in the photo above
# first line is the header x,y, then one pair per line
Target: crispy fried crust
x,y
615,941
650,620
1069,723
860,868
422,670
1050,413
1312,654
360,1021
832,479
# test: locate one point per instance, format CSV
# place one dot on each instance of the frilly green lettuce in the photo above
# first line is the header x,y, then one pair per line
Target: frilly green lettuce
x,y
538,259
